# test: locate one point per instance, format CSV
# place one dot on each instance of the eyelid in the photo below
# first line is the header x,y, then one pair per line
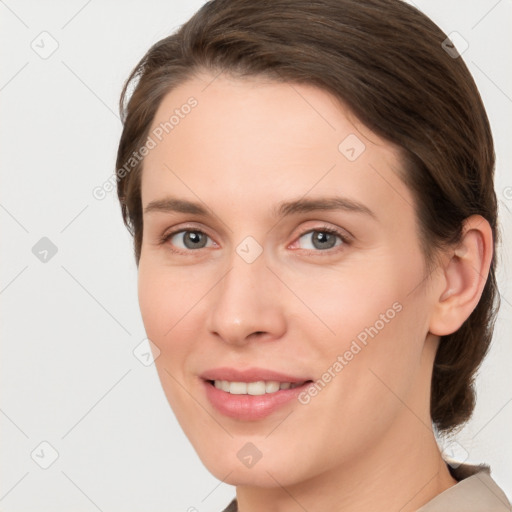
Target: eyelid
x,y
344,234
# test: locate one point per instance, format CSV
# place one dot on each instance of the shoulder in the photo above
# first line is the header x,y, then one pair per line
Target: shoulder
x,y
232,507
475,491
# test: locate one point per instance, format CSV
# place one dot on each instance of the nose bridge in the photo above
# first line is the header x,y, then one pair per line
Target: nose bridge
x,y
246,300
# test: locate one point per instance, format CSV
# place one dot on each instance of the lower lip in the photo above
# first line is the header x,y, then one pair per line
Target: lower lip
x,y
250,407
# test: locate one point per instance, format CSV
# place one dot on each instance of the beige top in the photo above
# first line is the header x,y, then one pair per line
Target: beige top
x,y
475,491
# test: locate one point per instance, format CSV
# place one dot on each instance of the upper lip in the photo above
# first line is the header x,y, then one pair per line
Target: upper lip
x,y
249,375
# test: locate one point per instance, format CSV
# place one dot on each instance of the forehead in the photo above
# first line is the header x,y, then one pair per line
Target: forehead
x,y
257,138
248,114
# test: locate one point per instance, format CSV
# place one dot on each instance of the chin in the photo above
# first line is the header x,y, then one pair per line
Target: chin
x,y
267,471
257,477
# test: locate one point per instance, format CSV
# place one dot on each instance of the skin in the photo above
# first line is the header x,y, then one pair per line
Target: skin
x,y
365,442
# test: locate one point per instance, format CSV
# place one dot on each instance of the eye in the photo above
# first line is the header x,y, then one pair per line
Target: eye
x,y
322,239
187,239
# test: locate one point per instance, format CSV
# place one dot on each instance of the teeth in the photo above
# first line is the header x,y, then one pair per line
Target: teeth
x,y
254,388
271,386
238,388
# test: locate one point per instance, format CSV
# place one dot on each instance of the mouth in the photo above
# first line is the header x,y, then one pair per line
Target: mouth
x,y
257,388
251,394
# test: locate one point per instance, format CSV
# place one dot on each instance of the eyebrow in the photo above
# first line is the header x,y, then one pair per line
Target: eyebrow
x,y
285,208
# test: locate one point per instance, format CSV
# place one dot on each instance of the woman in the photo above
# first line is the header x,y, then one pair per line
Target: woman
x,y
310,190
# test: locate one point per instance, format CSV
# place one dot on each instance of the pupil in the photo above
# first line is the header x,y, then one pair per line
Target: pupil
x,y
193,237
323,239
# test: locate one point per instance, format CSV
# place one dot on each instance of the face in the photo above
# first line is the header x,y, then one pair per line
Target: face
x,y
280,256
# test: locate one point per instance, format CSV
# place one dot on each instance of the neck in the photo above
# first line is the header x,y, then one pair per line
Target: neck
x,y
397,474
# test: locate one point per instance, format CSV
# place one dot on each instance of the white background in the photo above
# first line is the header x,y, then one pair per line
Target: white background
x,y
69,326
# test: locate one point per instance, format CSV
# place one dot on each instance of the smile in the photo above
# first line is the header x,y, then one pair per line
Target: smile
x,y
254,388
251,401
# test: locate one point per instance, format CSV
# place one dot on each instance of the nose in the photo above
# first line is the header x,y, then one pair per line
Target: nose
x,y
247,304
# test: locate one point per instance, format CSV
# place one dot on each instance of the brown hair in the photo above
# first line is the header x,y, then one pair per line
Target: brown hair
x,y
385,60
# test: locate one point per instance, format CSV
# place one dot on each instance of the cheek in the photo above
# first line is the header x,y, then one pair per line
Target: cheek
x,y
353,301
372,323
164,301
154,297
163,309
172,302
165,297
381,332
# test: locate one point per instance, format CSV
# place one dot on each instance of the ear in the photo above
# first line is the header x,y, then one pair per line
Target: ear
x,y
463,276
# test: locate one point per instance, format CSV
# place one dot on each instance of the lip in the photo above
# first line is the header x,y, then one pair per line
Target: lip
x,y
250,407
249,375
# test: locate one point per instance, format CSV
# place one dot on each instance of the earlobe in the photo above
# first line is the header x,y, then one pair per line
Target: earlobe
x,y
463,277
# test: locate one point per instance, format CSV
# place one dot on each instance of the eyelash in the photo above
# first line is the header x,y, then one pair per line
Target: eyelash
x,y
321,229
